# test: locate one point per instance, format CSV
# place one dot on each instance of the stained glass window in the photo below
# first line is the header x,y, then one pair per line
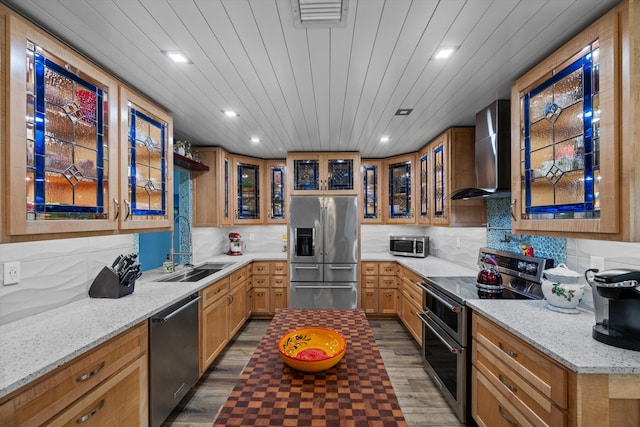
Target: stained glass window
x,y
439,195
400,190
560,168
306,175
340,174
66,147
248,191
277,192
424,186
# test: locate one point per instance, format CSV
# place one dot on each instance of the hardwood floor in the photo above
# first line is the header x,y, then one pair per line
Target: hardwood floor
x,y
420,400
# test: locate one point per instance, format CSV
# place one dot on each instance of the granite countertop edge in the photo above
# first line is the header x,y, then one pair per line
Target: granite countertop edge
x,y
38,344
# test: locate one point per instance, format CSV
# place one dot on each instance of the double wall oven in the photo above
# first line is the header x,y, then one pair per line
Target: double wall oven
x,y
446,320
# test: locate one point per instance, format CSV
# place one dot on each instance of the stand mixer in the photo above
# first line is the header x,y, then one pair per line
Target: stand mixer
x,y
235,244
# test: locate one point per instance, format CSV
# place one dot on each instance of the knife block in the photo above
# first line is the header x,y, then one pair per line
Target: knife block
x,y
108,285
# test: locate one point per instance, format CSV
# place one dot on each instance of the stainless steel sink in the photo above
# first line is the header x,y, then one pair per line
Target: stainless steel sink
x,y
196,273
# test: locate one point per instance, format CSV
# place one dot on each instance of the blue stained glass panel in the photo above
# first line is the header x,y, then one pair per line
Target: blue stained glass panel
x,y
248,191
370,181
400,190
439,182
340,174
306,175
66,135
424,186
277,193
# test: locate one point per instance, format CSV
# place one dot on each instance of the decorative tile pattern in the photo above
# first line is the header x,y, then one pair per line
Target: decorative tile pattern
x,y
357,391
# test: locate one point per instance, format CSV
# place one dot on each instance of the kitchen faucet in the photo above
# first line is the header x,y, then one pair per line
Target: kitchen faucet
x,y
173,253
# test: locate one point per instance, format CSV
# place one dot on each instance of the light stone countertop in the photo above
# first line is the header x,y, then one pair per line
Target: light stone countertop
x,y
429,266
565,338
36,345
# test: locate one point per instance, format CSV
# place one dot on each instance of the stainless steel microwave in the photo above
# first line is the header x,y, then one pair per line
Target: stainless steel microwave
x,y
414,246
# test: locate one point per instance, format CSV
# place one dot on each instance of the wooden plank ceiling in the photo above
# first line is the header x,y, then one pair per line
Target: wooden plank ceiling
x,y
312,88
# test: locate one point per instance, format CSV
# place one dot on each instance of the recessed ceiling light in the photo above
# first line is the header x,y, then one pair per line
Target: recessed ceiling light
x,y
231,113
404,111
177,56
444,52
384,139
255,140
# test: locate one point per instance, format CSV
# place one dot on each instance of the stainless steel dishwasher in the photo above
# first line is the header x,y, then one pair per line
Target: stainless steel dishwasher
x,y
173,358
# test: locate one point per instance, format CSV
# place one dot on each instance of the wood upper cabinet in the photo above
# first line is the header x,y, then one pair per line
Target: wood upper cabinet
x,y
399,189
211,195
451,166
276,201
146,160
247,190
371,200
574,126
86,153
323,173
424,189
61,146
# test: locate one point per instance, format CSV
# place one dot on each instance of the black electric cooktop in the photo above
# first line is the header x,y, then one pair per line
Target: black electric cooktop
x,y
462,288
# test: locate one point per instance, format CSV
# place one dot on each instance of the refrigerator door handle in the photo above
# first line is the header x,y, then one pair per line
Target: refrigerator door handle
x,y
346,267
300,267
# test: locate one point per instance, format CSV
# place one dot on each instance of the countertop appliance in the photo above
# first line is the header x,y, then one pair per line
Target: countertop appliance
x,y
413,246
446,322
492,153
323,251
616,298
173,357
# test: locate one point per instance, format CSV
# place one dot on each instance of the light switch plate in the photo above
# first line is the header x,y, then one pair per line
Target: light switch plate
x,y
11,273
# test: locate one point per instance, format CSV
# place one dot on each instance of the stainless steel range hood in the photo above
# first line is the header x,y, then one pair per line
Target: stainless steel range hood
x,y
492,153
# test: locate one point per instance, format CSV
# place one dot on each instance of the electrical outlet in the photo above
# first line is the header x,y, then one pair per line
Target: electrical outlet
x,y
597,262
252,236
11,272
457,242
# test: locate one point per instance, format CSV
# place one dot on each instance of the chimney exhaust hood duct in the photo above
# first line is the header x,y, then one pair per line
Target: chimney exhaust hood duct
x,y
492,153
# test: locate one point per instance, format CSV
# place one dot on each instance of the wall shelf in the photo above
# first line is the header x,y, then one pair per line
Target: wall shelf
x,y
189,164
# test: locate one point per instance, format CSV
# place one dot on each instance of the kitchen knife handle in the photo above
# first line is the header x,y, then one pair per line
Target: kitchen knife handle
x,y
117,204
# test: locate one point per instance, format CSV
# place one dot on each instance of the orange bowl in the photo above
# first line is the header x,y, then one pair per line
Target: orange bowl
x,y
312,349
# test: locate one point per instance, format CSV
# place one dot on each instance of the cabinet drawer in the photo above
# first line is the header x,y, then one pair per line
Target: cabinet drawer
x,y
489,409
215,291
239,275
412,293
120,401
388,282
45,398
279,282
387,269
409,276
370,268
261,281
279,269
538,370
261,268
370,282
513,388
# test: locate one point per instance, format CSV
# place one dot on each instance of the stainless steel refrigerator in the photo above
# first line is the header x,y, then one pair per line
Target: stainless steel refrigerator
x,y
323,236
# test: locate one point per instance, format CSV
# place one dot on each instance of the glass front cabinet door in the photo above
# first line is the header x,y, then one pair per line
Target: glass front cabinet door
x,y
566,158
424,213
248,182
147,192
399,189
276,194
371,171
62,139
324,173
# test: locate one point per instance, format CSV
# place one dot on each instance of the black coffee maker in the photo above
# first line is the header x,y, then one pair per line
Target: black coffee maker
x,y
616,299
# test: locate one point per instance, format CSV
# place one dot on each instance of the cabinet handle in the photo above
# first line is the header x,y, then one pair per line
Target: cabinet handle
x,y
90,414
507,419
513,205
128,205
88,375
511,388
508,352
117,204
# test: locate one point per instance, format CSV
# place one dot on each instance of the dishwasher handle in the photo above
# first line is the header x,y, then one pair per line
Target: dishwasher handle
x,y
164,319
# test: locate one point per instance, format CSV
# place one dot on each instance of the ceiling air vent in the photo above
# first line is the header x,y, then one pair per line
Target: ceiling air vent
x,y
323,13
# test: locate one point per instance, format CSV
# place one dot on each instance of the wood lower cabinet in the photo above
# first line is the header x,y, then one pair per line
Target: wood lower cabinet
x,y
271,287
410,301
106,386
513,382
378,285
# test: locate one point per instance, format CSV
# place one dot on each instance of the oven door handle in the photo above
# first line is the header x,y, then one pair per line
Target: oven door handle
x,y
444,341
446,303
